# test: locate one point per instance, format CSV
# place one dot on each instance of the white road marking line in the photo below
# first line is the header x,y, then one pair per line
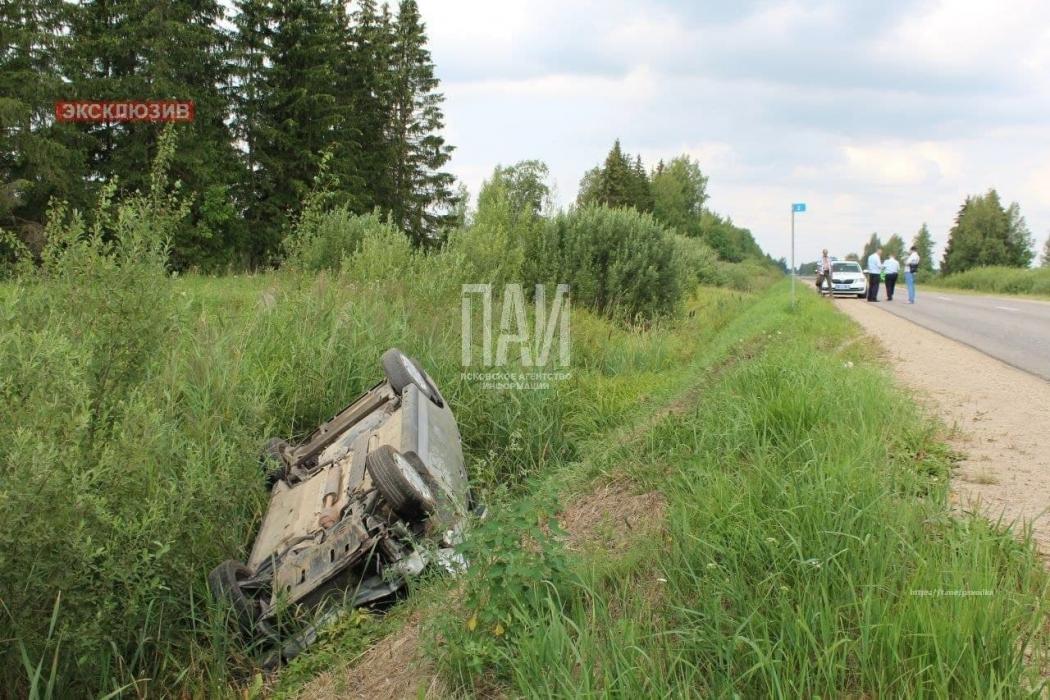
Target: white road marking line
x,y
1006,308
944,298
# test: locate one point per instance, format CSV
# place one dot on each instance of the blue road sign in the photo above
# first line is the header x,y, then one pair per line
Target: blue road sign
x,y
799,206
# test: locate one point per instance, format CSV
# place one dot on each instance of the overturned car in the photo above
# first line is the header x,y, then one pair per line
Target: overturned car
x,y
370,498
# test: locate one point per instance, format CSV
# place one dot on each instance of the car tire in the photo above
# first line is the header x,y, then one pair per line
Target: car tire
x,y
272,461
401,371
400,483
224,584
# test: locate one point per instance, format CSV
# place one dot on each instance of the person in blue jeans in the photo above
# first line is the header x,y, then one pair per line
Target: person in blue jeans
x,y
911,268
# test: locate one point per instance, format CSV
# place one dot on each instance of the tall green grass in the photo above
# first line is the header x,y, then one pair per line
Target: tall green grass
x,y
1002,280
135,405
807,551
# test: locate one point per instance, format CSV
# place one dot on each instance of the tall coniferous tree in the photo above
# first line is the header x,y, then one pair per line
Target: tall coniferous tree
x,y
140,50
422,198
293,108
612,184
641,187
368,82
39,158
1019,241
253,29
923,244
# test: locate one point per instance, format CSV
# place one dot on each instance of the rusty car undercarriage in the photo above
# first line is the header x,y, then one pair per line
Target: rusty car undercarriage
x,y
370,499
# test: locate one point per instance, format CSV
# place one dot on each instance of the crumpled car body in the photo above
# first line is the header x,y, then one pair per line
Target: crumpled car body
x,y
370,498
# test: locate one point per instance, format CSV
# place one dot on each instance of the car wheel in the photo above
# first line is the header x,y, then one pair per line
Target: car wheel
x,y
401,370
272,461
224,582
400,483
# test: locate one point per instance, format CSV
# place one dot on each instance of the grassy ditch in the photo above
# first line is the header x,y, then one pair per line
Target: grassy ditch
x,y
806,549
134,420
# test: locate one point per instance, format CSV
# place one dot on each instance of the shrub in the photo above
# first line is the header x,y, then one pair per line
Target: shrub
x,y
698,260
321,240
619,262
492,247
81,441
384,252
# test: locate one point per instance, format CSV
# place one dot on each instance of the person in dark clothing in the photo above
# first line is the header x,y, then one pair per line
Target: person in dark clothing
x,y
874,274
892,268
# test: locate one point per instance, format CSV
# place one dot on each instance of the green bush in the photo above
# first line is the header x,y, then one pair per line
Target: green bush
x,y
492,248
383,252
83,451
746,276
321,240
619,262
699,262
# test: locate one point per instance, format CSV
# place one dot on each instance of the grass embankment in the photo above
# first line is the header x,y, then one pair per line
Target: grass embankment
x,y
1034,282
806,549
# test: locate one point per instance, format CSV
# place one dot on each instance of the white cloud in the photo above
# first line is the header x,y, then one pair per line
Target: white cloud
x,y
902,163
1005,40
879,115
638,85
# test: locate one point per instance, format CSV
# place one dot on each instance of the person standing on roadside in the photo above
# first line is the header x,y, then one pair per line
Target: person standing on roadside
x,y
892,268
824,273
911,268
874,274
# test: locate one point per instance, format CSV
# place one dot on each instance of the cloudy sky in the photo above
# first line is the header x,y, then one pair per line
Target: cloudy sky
x,y
878,114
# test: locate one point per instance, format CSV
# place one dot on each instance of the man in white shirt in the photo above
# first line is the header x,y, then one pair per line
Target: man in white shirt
x,y
892,268
874,274
911,266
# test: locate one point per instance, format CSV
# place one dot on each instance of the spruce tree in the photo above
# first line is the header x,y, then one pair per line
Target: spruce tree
x,y
1019,241
422,199
614,184
250,53
641,188
367,82
39,158
143,50
293,108
924,247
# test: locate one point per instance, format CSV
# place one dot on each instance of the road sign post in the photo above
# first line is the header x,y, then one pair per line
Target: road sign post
x,y
797,207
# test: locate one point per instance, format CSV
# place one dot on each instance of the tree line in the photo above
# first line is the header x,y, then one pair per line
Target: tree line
x,y
985,233
279,87
675,193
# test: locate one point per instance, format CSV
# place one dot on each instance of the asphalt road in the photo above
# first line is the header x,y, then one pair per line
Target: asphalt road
x,y
1016,331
